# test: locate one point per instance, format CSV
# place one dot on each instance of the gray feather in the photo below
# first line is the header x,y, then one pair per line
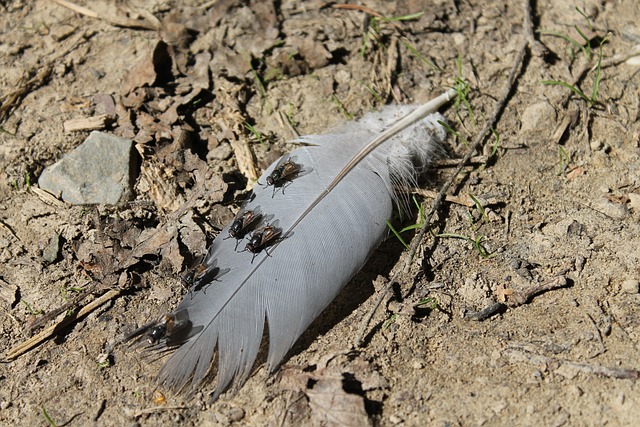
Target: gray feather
x,y
332,215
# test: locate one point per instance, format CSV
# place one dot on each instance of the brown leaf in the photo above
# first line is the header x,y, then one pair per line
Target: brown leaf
x,y
149,70
332,405
153,241
192,236
170,253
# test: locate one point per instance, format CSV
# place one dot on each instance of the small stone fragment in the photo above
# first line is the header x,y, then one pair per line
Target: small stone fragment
x,y
538,116
99,171
236,414
631,286
634,201
596,144
51,253
8,293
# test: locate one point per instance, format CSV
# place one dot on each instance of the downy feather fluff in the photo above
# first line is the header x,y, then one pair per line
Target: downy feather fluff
x,y
332,214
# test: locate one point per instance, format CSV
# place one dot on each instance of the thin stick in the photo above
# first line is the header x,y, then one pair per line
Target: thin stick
x,y
159,409
522,297
603,371
149,22
66,307
506,91
77,8
464,200
517,298
51,330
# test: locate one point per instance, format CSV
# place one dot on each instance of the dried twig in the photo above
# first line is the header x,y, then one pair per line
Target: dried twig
x,y
516,299
51,330
417,240
87,123
464,200
159,409
46,197
477,160
148,21
71,305
603,371
506,91
485,313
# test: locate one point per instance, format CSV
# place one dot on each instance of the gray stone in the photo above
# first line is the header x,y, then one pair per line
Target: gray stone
x,y
538,116
51,253
631,286
99,171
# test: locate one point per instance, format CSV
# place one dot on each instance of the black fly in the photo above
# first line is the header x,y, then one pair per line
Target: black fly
x,y
285,170
203,274
164,330
262,238
243,223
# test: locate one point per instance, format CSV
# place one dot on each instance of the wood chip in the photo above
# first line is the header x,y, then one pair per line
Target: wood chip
x,y
86,123
46,197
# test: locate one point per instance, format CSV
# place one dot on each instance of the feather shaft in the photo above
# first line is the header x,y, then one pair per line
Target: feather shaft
x,y
401,124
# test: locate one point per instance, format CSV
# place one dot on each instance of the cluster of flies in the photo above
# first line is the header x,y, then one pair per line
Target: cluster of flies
x,y
251,220
247,221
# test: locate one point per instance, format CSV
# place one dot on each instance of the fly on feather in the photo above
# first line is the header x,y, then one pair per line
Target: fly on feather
x,y
284,172
204,273
262,238
245,221
163,332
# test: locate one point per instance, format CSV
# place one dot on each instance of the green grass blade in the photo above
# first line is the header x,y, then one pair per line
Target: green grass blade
x,y
395,232
568,86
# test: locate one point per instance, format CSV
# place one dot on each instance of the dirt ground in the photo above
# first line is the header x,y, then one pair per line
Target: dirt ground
x,y
211,91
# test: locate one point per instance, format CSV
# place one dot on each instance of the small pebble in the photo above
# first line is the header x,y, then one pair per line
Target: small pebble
x,y
631,286
634,201
394,419
236,414
51,253
417,364
538,116
596,144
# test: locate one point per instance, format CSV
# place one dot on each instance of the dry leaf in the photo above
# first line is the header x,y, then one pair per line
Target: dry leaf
x,y
575,172
332,405
149,70
503,293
